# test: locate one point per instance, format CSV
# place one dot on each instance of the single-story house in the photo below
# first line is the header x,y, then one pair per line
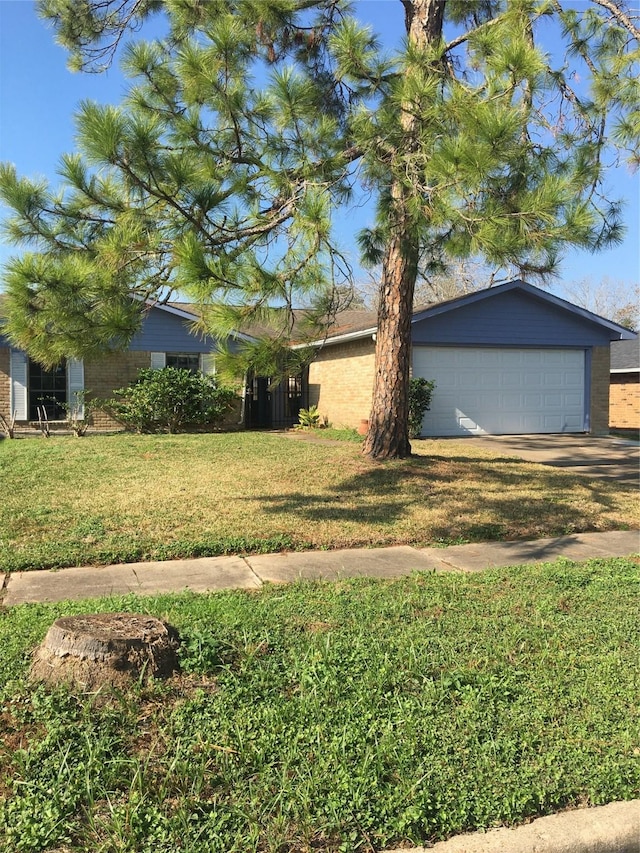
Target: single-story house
x,y
510,359
166,339
624,394
506,360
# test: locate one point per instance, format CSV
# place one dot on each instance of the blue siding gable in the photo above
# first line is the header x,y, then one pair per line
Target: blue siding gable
x,y
163,331
511,317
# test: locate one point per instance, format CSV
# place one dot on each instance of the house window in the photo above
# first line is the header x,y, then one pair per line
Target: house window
x,y
184,360
47,390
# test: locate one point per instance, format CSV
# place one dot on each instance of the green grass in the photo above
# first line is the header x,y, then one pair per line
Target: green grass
x,y
337,717
123,498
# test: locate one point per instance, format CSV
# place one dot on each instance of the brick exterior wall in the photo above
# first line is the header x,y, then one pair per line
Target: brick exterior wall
x,y
5,383
104,375
624,401
116,370
101,378
600,367
341,382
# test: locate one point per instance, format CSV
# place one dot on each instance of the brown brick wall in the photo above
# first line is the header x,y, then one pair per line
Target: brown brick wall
x,y
341,382
104,375
101,378
624,401
600,366
116,370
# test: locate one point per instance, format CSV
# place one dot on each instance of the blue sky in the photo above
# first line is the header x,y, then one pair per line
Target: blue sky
x,y
38,97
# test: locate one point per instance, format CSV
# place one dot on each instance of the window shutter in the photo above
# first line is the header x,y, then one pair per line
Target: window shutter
x,y
158,360
208,363
18,368
75,387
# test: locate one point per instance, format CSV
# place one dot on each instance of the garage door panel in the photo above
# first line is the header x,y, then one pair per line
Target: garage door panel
x,y
574,423
532,380
553,401
512,379
533,401
574,379
466,424
469,380
497,391
488,358
573,399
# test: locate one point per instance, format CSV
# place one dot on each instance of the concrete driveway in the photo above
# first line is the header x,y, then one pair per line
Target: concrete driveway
x,y
608,458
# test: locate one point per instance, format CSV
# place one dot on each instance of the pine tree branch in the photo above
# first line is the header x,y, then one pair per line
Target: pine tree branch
x,y
464,37
620,16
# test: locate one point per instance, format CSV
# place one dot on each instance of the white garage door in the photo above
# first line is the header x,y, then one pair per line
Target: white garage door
x,y
496,391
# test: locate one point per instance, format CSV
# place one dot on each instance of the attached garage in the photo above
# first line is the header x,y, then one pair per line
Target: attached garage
x,y
503,391
511,359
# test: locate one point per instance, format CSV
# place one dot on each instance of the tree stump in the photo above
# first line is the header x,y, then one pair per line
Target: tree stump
x,y
98,649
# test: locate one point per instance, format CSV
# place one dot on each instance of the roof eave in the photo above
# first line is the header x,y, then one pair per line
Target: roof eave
x,y
340,339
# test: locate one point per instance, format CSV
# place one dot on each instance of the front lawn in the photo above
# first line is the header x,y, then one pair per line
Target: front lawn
x,y
122,498
334,717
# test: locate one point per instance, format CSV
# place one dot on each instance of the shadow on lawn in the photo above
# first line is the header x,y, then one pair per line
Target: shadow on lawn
x,y
499,499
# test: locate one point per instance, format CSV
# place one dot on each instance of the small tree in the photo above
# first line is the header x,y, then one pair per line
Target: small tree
x,y
420,392
171,400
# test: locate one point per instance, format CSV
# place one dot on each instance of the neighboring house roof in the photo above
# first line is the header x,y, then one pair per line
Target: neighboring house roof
x,y
625,356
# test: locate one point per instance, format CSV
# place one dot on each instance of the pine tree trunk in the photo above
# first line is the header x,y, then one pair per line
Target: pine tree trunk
x,y
388,435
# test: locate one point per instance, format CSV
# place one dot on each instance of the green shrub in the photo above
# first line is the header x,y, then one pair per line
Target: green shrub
x,y
171,400
420,392
309,418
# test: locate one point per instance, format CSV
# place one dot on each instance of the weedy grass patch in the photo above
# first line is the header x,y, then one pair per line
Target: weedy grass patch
x,y
123,498
347,716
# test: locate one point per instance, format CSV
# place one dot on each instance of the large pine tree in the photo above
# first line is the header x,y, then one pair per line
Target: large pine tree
x,y
251,122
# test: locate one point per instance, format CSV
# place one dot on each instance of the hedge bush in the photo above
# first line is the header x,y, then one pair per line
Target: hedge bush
x,y
171,400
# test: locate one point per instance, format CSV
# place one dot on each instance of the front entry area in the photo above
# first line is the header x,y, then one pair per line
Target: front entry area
x,y
271,405
503,390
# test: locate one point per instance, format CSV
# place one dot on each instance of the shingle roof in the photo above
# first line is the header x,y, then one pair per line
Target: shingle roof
x,y
625,356
346,322
359,322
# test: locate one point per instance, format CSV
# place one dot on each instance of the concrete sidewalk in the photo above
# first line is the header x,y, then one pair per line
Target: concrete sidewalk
x,y
614,828
216,573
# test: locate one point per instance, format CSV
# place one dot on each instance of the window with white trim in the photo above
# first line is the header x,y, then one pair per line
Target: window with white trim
x,y
184,361
47,391
50,390
203,362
